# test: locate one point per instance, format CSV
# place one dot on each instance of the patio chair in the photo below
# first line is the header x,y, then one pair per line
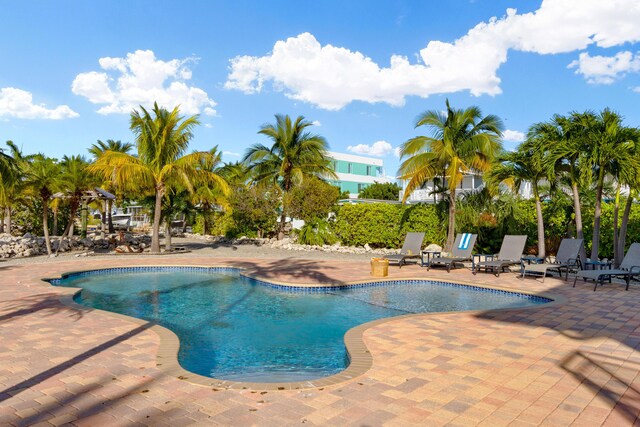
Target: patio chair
x,y
410,249
567,258
461,252
510,254
630,267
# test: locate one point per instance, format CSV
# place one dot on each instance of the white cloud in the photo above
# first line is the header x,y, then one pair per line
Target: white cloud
x,y
396,152
331,77
378,148
208,125
141,79
231,153
513,136
636,89
316,123
606,69
18,103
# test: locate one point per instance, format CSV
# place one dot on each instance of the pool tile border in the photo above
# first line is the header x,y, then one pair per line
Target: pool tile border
x,y
360,359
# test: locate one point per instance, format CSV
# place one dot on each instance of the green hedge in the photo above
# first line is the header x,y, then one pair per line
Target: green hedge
x,y
383,225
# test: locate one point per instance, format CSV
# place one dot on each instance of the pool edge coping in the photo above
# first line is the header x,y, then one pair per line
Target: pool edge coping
x,y
360,358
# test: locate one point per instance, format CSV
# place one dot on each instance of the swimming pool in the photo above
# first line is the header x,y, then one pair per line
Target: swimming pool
x,y
235,328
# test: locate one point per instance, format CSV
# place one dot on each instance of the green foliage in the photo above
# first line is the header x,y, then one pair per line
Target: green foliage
x,y
311,200
385,225
253,211
316,232
381,191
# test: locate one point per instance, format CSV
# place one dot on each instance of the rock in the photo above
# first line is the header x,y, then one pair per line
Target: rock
x,y
367,247
433,248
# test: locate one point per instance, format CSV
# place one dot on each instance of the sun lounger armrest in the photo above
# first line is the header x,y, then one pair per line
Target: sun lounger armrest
x,y
573,261
634,269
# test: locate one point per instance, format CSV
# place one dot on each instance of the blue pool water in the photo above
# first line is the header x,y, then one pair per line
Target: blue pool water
x,y
235,328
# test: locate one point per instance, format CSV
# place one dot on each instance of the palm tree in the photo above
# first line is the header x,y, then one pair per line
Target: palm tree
x,y
97,150
11,174
626,173
566,157
206,197
75,180
294,155
461,141
161,140
527,164
43,178
609,145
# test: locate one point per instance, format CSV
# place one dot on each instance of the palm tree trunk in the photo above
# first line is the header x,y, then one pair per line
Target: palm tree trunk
x,y
577,209
595,241
616,214
45,225
155,237
167,234
623,229
7,219
452,220
283,218
55,222
2,227
540,219
109,218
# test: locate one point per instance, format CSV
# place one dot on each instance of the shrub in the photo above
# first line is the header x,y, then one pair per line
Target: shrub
x,y
385,225
313,199
316,232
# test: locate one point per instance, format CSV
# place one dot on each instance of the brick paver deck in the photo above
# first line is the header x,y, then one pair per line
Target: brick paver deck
x,y
576,362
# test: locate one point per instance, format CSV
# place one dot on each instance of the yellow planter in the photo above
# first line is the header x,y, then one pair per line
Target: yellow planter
x,y
379,267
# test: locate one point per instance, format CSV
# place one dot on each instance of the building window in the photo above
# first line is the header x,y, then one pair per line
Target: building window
x,y
369,170
379,171
349,167
361,187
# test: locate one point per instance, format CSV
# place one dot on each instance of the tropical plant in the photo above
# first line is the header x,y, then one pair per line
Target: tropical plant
x,y
294,155
316,232
42,178
526,164
206,197
460,142
312,200
11,182
610,149
161,141
625,174
97,150
75,179
381,191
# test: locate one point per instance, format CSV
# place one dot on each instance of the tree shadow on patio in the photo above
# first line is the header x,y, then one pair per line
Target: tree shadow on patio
x,y
47,304
57,369
611,382
591,317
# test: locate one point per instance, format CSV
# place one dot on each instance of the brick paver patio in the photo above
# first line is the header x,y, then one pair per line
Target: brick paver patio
x,y
574,362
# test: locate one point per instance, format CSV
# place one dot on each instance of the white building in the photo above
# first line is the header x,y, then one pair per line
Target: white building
x,y
355,173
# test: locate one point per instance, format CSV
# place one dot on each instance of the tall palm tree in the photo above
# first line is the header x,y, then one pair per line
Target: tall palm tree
x,y
161,141
626,173
294,155
460,142
43,179
609,144
97,150
206,197
75,180
567,155
527,164
11,174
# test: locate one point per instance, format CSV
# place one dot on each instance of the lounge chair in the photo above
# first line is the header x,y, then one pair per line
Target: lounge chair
x,y
410,249
462,249
567,258
630,267
510,254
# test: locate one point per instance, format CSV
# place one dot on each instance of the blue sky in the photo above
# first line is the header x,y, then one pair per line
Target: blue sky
x,y
73,70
